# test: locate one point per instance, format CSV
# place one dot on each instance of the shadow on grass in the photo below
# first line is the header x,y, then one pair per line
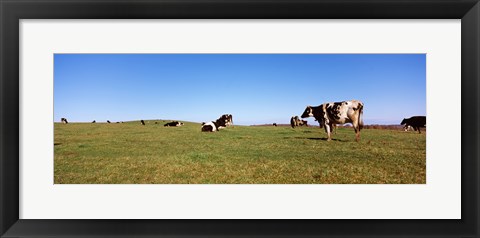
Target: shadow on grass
x,y
57,144
316,138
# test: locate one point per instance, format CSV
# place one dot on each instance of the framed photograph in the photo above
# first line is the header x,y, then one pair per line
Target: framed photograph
x,y
239,118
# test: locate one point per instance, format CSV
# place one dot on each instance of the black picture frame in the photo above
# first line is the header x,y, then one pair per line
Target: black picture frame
x,y
12,11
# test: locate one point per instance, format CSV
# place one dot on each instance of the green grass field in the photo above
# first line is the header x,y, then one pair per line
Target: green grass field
x,y
129,153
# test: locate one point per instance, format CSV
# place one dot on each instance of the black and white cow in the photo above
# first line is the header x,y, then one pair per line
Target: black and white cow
x,y
228,119
174,123
108,121
407,128
416,122
296,121
142,122
330,114
93,121
64,120
215,125
303,123
274,124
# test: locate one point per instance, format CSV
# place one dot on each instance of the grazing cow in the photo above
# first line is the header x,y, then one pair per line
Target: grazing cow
x,y
108,121
416,122
215,125
274,124
329,114
173,123
142,122
64,120
93,121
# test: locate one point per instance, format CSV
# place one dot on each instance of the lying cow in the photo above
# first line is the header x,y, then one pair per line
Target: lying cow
x,y
214,125
64,120
330,114
303,123
228,119
174,123
295,121
416,122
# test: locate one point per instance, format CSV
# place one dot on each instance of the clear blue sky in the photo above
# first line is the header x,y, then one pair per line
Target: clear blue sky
x,y
254,88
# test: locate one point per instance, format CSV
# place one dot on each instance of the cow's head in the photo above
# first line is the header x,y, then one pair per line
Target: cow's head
x,y
308,112
403,121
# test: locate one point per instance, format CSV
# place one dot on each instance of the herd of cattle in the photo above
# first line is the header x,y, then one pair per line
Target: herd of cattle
x,y
328,115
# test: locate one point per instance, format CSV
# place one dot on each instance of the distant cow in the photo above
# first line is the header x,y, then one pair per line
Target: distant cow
x,y
173,123
274,124
142,122
215,125
228,119
329,114
64,120
303,123
408,128
295,121
108,121
416,122
93,121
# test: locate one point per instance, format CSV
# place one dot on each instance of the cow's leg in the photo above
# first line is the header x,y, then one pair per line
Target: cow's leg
x,y
327,129
419,132
356,126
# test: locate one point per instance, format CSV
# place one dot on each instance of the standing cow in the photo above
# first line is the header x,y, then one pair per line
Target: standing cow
x,y
329,114
64,120
142,122
416,122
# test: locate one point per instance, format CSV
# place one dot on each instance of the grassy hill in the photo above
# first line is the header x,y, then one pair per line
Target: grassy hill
x,y
129,153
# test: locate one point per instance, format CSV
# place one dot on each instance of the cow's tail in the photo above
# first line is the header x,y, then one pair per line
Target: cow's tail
x,y
360,116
